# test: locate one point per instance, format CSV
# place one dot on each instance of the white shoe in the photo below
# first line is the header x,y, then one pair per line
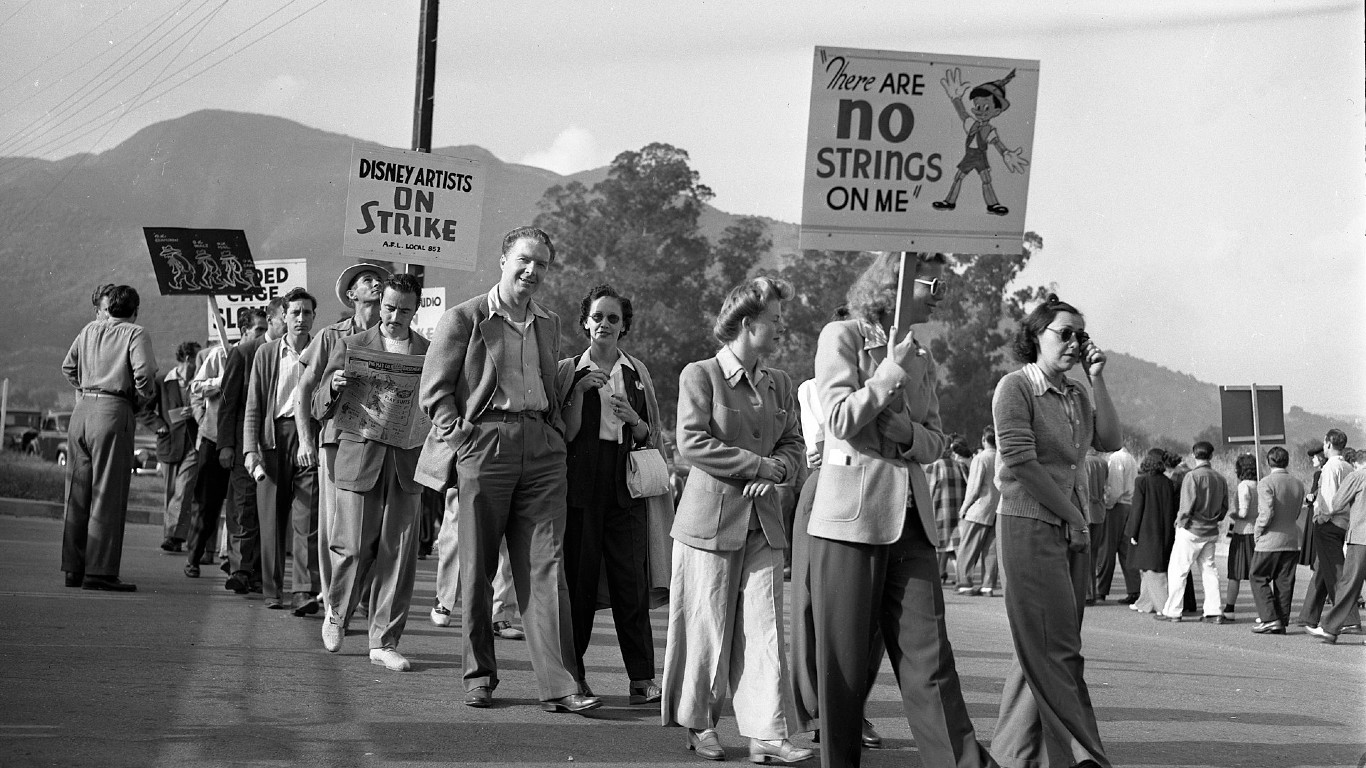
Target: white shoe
x,y
986,592
966,590
441,617
332,635
390,659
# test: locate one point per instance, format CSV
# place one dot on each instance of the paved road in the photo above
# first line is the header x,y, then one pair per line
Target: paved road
x,y
185,673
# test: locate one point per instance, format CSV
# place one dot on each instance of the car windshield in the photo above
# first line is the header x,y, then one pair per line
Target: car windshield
x,y
22,419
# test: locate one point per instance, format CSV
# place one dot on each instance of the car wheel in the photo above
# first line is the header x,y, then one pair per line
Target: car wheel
x,y
61,458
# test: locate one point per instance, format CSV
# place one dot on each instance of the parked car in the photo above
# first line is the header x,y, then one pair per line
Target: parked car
x,y
21,427
50,442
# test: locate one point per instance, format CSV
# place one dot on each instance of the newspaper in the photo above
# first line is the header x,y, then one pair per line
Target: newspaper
x,y
379,401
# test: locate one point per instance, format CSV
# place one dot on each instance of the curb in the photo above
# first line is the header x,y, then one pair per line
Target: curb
x,y
53,510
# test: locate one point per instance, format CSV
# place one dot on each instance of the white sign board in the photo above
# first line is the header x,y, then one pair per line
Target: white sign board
x,y
413,207
429,310
276,278
918,152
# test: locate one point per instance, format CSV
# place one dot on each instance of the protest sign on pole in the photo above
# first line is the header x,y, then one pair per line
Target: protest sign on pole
x,y
200,262
413,207
274,277
1253,413
918,151
429,309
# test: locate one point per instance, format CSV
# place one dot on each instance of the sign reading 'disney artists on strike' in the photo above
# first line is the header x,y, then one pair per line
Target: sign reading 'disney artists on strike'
x,y
274,278
200,261
413,207
918,152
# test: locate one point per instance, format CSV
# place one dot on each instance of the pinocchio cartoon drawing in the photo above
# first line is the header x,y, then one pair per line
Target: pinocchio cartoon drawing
x,y
988,100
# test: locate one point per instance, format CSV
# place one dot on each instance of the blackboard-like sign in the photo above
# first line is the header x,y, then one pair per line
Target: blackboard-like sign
x,y
201,262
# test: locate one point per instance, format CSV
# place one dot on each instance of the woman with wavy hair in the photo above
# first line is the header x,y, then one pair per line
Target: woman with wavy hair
x,y
1151,531
738,427
1045,421
1241,547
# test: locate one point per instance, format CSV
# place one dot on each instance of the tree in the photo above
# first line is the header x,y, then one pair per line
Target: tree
x,y
638,230
820,280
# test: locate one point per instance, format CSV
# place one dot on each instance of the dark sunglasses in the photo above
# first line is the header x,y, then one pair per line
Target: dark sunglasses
x,y
938,286
598,317
1066,335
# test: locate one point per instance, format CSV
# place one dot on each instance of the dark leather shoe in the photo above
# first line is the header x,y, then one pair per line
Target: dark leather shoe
x,y
480,698
574,702
304,604
191,571
706,744
74,579
1129,599
1269,628
1219,619
237,582
107,584
870,737
783,753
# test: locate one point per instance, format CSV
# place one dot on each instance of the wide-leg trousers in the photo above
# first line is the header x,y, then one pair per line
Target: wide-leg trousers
x,y
1273,584
98,472
287,501
1191,551
1046,716
1348,591
375,532
512,480
1114,544
979,546
178,486
448,566
895,587
726,636
210,489
1329,540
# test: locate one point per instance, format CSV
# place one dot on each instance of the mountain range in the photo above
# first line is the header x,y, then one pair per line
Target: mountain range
x,y
74,223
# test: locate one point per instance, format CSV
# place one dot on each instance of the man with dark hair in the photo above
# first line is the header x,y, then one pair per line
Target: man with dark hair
x,y
374,523
99,299
286,495
176,446
487,385
1276,537
359,287
1351,498
244,527
1108,539
1203,504
111,365
1330,530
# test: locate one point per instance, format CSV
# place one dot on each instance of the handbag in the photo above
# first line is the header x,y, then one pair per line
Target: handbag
x,y
646,473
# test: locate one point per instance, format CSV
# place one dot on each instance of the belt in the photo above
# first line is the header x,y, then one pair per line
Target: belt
x,y
98,393
509,416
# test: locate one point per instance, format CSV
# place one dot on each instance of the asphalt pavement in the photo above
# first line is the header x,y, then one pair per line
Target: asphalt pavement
x,y
185,673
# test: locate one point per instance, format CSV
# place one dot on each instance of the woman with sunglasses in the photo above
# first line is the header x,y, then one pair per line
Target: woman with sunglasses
x,y
1045,421
872,528
609,407
738,426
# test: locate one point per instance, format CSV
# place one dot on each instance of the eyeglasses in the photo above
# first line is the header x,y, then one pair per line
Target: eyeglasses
x,y
1066,335
598,317
938,286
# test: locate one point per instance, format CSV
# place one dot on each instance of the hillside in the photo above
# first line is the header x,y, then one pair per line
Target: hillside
x,y
76,223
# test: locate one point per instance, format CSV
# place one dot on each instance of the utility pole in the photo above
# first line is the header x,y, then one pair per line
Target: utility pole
x,y
426,88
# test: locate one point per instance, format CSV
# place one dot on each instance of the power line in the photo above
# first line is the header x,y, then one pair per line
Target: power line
x,y
63,52
17,11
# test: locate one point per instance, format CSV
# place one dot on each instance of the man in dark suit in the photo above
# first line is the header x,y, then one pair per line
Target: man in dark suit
x,y
495,433
244,527
286,495
374,524
111,364
176,446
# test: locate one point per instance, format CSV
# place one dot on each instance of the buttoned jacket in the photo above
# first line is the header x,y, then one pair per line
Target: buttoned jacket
x,y
1279,500
726,426
181,436
258,426
868,478
460,377
236,376
359,460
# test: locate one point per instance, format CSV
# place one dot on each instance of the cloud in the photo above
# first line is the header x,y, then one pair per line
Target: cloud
x,y
277,93
573,150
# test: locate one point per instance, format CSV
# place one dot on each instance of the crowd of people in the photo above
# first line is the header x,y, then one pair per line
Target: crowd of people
x,y
539,465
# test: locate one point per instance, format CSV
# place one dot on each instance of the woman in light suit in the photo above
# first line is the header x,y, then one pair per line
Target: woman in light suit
x,y
872,522
738,426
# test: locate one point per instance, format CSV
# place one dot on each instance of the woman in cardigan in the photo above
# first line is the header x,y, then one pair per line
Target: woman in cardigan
x,y
1241,547
1150,530
738,426
606,400
1044,423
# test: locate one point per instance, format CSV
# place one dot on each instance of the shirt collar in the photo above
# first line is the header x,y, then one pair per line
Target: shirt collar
x,y
873,335
1039,383
498,307
287,350
586,362
733,370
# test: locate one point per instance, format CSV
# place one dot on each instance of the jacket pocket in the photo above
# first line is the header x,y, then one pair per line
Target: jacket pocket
x,y
839,493
699,513
725,423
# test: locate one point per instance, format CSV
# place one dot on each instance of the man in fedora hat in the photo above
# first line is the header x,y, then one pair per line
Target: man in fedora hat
x,y
360,288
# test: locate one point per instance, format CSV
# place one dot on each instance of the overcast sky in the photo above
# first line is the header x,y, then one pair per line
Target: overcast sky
x,y
1198,172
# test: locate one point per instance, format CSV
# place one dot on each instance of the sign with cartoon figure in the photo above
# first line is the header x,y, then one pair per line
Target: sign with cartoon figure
x,y
413,207
918,152
274,278
201,262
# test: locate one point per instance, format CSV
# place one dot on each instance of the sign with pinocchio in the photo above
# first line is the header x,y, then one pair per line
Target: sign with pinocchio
x,y
918,151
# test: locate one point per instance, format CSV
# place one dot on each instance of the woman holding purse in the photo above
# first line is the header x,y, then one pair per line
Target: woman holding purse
x,y
608,404
738,426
